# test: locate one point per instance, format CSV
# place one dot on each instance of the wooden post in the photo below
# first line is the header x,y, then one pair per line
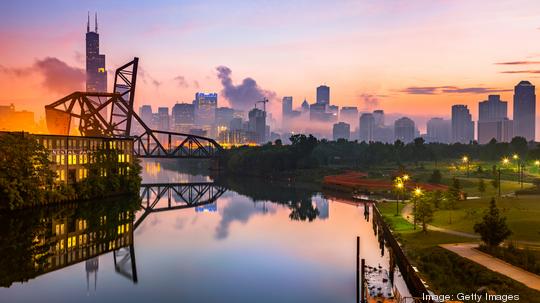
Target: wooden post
x,y
357,269
362,282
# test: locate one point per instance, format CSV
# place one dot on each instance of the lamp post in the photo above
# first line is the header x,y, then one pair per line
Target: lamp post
x,y
399,187
465,160
417,194
505,161
520,168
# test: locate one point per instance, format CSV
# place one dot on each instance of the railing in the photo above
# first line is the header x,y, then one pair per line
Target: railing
x,y
412,280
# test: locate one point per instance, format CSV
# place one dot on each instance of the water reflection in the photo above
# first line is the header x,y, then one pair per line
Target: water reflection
x,y
37,241
228,240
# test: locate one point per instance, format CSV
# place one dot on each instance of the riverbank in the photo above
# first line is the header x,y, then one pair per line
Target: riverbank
x,y
444,271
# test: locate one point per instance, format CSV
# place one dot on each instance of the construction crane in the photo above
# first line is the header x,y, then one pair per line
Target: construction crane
x,y
264,101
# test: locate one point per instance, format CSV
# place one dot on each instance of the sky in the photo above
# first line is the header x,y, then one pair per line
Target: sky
x,y
414,57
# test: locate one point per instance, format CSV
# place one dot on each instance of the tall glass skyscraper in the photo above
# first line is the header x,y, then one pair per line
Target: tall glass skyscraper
x,y
323,95
96,74
525,110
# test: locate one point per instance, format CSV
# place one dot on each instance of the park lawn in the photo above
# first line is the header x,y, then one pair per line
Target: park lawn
x,y
522,213
396,223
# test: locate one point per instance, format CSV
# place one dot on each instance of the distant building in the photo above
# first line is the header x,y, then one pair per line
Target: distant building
x,y
235,124
317,112
224,115
146,114
341,130
439,130
257,124
13,120
305,106
462,125
404,130
163,118
96,74
323,95
287,106
493,121
333,110
366,127
378,115
525,110
183,116
384,134
349,114
205,108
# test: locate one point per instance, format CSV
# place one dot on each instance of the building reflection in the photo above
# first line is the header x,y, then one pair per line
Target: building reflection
x,y
39,241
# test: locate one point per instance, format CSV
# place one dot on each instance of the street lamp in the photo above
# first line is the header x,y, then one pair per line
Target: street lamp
x,y
405,177
417,194
465,160
399,187
520,168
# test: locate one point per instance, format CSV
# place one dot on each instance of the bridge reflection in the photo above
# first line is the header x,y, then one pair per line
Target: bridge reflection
x,y
42,240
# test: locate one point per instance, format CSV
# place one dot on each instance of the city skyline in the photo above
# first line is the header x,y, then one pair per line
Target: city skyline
x,y
376,79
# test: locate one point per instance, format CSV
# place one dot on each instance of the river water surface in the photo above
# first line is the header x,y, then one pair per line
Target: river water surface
x,y
258,242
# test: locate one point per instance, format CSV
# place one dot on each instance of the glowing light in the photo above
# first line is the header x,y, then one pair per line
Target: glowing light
x,y
537,162
418,191
405,177
515,157
465,159
505,161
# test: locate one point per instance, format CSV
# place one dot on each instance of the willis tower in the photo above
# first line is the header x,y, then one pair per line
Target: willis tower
x,y
96,75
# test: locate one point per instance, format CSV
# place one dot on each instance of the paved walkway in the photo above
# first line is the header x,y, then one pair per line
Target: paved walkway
x,y
469,251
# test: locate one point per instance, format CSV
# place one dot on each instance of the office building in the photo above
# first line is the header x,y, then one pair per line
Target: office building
x,y
525,110
404,130
366,127
341,130
163,118
439,130
287,106
205,108
349,114
323,95
11,119
305,106
257,125
493,121
96,74
183,116
378,115
145,113
462,125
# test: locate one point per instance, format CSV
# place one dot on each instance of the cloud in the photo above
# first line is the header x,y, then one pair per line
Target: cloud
x,y
58,76
518,62
371,101
147,78
181,81
434,90
244,95
533,71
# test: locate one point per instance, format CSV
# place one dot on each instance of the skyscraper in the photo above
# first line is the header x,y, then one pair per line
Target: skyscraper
x,y
439,130
286,106
525,110
323,95
205,108
366,126
349,114
145,112
404,130
257,124
341,130
96,74
462,124
493,122
183,115
163,118
378,115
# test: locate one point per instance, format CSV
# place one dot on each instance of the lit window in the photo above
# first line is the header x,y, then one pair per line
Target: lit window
x,y
101,70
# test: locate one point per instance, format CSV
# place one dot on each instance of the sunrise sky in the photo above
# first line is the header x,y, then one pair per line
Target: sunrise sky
x,y
411,57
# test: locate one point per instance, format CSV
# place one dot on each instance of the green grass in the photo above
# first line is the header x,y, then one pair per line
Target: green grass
x,y
396,223
522,214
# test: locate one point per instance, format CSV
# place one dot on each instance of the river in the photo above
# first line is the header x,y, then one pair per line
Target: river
x,y
257,242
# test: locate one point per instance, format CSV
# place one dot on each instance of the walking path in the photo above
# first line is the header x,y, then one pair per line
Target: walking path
x,y
469,251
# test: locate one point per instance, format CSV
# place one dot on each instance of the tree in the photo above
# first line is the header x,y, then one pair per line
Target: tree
x,y
456,184
481,186
25,174
452,196
493,229
435,177
423,211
